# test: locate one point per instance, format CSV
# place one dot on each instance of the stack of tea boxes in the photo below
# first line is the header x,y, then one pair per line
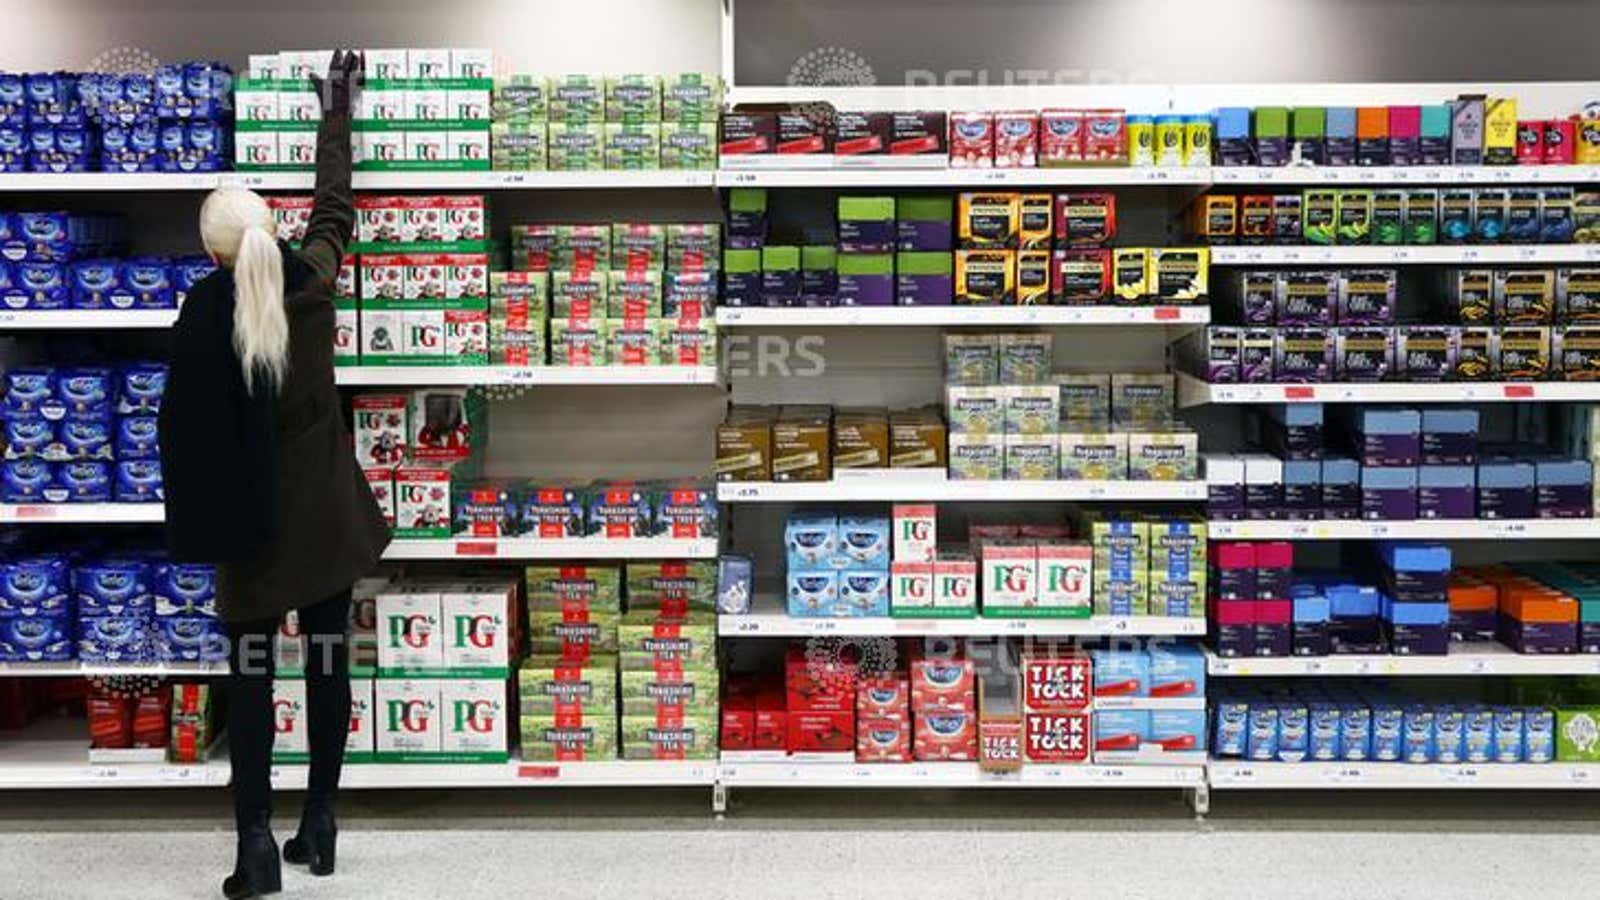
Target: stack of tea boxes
x,y
626,294
1011,418
421,109
600,680
581,122
414,447
430,661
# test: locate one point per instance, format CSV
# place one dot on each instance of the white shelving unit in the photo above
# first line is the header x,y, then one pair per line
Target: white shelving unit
x,y
894,487
1419,529
771,620
86,319
80,513
363,181
54,754
78,669
1192,391
764,173
913,316
526,549
514,774
1406,175
383,376
1230,775
1437,254
774,774
1463,660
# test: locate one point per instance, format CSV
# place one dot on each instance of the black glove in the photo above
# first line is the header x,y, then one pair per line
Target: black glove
x,y
346,76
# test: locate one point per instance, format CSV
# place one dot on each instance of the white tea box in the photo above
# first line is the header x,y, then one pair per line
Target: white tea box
x,y
408,716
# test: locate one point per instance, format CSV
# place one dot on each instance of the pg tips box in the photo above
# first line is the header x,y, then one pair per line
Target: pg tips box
x,y
1056,738
955,585
477,628
380,428
359,744
916,535
422,500
408,718
290,742
474,719
910,589
1065,586
408,629
1010,578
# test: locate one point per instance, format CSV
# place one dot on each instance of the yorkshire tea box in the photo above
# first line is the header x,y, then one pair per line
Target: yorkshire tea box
x,y
669,693
672,587
573,634
547,685
648,642
589,587
670,738
553,737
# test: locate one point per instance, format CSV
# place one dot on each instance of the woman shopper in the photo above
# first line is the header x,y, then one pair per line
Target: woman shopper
x,y
260,480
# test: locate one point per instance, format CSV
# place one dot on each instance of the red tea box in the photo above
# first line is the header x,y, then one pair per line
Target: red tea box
x,y
1056,738
945,736
819,681
971,140
814,732
1060,137
943,682
883,739
1054,682
1016,140
884,694
1105,136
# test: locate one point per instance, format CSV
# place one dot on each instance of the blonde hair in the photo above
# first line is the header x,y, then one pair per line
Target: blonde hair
x,y
238,229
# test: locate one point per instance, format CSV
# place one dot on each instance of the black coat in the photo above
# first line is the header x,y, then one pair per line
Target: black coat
x,y
270,489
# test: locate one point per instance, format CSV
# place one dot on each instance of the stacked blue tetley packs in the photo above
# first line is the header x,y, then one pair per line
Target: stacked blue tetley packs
x,y
175,119
82,434
120,609
56,260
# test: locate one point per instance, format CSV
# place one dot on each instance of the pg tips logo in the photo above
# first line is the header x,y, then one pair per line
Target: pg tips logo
x,y
411,632
410,716
478,632
474,716
829,67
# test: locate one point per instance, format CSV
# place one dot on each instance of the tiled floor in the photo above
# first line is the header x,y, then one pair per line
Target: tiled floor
x,y
814,844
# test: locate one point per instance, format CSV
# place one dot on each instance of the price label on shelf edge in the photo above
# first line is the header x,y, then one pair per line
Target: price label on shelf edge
x,y
539,773
477,548
36,511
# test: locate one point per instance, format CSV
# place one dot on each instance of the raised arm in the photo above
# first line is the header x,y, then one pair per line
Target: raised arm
x,y
333,214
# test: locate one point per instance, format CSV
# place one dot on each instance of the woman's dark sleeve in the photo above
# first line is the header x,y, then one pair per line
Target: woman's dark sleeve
x,y
333,215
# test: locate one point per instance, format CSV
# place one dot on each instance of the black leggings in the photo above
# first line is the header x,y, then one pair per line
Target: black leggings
x,y
250,714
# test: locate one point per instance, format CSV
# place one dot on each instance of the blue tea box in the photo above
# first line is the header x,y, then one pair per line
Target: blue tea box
x,y
1261,733
1450,437
813,593
1508,734
139,388
1295,430
735,575
1355,732
1341,488
82,437
1418,629
1121,729
41,285
114,639
1232,720
863,592
1449,734
26,481
1477,734
861,542
1340,124
27,435
42,637
1178,730
1293,732
1310,635
1232,124
138,481
1447,492
1538,735
1388,494
113,587
1506,490
85,481
1302,489
810,540
1388,437
147,281
189,639
183,589
1178,670
96,284
1323,728
1564,488
36,585
1419,739
1414,556
81,391
188,271
1120,673
137,438
1388,731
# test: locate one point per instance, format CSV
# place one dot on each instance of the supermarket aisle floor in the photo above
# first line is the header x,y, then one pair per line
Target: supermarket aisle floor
x,y
819,845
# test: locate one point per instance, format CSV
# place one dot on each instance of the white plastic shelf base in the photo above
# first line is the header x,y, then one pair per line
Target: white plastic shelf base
x,y
379,376
80,513
954,775
54,754
363,181
1194,392
95,669
889,487
1408,175
913,316
757,175
1463,659
1434,254
1419,529
770,620
514,774
86,319
519,549
1229,775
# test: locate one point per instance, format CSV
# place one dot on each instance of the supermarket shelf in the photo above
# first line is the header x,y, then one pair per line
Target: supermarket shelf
x,y
1464,659
619,773
888,487
1401,776
1425,255
25,319
869,176
910,316
588,548
364,181
76,668
374,376
54,754
1409,175
955,775
80,513
1418,529
769,619
1192,391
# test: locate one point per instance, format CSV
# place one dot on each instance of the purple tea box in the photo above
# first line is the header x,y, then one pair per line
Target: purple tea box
x,y
1256,348
1417,629
1506,490
1450,437
1294,430
1225,490
866,279
1233,572
1341,488
1302,355
1233,627
1307,298
1360,635
1388,494
1387,437
1473,624
1367,296
1274,628
1538,637
1564,489
1256,302
1447,492
1424,353
925,223
924,279
1363,354
867,225
1302,489
1312,612
1224,355
1263,486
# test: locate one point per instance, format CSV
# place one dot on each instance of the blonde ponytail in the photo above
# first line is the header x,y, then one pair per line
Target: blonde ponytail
x,y
238,229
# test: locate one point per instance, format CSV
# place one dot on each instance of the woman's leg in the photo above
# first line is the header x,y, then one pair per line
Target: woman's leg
x,y
250,728
326,627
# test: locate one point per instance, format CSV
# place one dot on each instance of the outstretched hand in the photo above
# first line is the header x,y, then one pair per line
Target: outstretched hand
x,y
346,76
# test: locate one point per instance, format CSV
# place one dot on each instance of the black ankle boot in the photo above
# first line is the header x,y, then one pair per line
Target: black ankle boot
x,y
315,844
257,872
